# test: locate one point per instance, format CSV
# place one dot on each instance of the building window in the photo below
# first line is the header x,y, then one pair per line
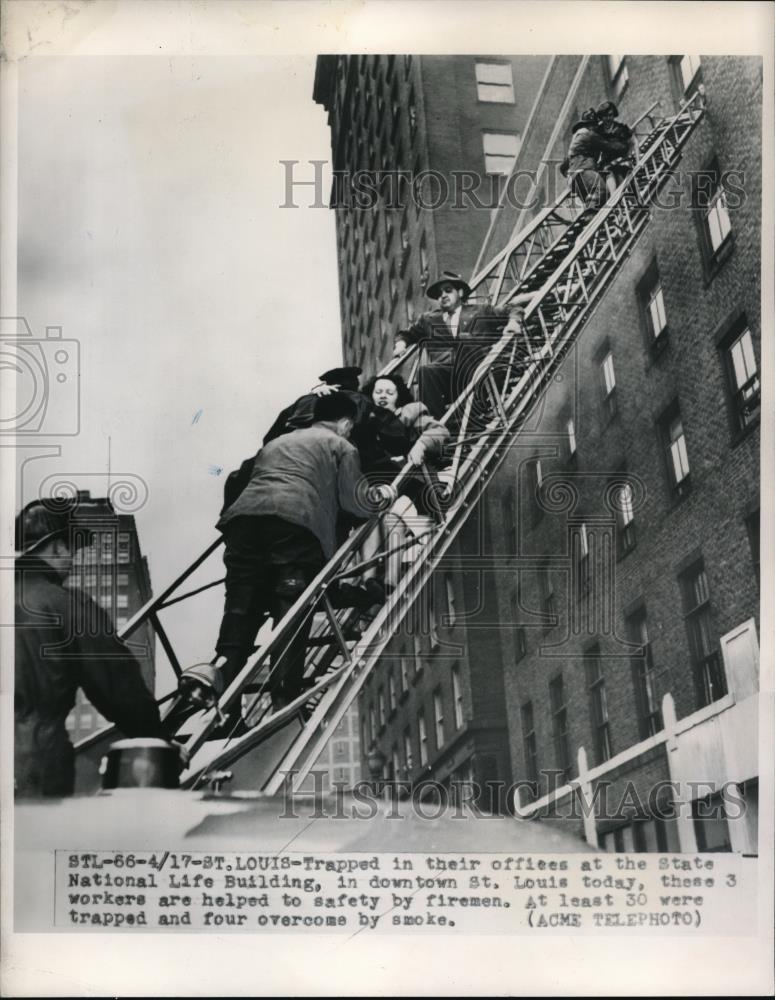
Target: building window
x,y
674,443
381,703
508,507
412,112
548,600
644,676
582,561
500,152
408,756
392,700
520,643
449,586
652,307
687,72
570,441
438,716
457,697
423,736
535,480
404,674
393,285
743,379
598,705
710,824
409,303
709,681
608,385
560,727
424,267
495,82
418,664
372,724
618,74
709,200
395,764
625,516
407,65
530,745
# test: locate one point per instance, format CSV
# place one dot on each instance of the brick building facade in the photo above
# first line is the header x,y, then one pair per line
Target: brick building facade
x,y
631,500
602,600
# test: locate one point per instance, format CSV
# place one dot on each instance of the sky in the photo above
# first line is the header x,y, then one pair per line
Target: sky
x,y
150,230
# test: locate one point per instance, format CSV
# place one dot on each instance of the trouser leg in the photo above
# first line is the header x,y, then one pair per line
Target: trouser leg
x,y
246,597
435,388
590,185
288,668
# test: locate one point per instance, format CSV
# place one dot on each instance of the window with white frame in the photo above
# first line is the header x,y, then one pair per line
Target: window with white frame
x,y
559,711
457,697
570,437
608,384
495,82
743,378
450,591
582,560
598,701
408,755
438,717
530,745
677,454
500,152
645,676
422,733
709,679
618,74
625,515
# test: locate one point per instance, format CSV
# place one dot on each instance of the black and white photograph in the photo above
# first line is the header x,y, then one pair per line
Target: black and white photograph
x,y
386,442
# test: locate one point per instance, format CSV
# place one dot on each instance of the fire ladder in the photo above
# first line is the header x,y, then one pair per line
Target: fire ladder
x,y
561,264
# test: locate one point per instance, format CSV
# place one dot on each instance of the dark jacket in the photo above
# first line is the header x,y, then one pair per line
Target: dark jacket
x,y
302,414
475,322
590,148
65,641
305,478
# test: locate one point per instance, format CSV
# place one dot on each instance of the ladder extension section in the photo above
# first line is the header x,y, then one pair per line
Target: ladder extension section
x,y
565,259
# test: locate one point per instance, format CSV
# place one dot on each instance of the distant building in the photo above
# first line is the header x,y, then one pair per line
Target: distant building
x,y
114,572
616,640
437,119
339,765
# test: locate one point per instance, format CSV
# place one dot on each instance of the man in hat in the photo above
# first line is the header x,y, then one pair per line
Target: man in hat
x,y
278,534
456,337
64,641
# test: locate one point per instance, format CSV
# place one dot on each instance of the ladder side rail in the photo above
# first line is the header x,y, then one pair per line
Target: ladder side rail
x,y
482,372
604,277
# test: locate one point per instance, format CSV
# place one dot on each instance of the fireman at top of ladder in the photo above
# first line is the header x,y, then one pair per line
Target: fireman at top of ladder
x,y
601,147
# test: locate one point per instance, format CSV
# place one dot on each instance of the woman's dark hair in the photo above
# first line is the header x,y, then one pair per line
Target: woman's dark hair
x,y
404,392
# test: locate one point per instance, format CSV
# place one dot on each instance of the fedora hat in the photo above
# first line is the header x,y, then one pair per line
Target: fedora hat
x,y
448,278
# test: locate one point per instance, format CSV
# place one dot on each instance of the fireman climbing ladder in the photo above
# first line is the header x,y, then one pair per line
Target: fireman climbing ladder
x,y
560,264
